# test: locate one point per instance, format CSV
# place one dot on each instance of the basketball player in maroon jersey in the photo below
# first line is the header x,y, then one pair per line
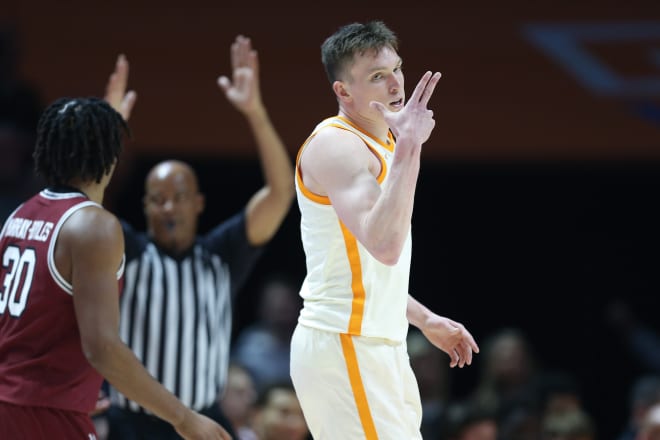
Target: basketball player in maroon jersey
x,y
62,259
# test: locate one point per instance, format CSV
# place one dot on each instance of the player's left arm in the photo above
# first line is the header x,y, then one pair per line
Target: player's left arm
x,y
448,335
93,276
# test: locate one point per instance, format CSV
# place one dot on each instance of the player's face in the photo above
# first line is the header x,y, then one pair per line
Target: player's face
x,y
172,205
376,76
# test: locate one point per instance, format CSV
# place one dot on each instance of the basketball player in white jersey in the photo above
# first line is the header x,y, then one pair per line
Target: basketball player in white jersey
x,y
355,180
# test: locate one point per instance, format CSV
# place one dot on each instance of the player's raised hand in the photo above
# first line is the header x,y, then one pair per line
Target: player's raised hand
x,y
115,89
415,121
243,89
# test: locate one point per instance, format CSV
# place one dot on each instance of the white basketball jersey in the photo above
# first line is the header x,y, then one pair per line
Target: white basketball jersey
x,y
346,289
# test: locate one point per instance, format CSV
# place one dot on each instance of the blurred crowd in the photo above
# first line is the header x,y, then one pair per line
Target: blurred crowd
x,y
515,397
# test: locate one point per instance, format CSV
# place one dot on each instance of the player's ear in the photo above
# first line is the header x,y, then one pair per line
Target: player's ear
x,y
341,91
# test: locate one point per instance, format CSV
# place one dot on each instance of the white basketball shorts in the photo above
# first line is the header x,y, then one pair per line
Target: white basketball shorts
x,y
355,387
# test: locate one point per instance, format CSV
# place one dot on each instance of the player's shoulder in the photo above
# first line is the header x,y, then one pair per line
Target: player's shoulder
x,y
95,223
333,140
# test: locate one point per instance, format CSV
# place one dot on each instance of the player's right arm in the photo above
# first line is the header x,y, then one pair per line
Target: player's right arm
x,y
336,163
92,243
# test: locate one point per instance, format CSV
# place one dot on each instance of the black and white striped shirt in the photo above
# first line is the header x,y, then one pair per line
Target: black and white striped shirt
x,y
176,312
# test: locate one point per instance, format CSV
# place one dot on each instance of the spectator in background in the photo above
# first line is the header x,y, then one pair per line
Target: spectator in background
x,y
650,425
520,417
640,339
508,371
264,346
238,401
522,414
468,420
432,372
507,384
572,424
176,303
644,394
278,414
558,392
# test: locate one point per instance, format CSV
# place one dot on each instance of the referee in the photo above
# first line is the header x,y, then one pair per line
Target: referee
x,y
176,302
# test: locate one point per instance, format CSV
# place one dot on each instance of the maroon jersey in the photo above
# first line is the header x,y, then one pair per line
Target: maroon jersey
x,y
41,358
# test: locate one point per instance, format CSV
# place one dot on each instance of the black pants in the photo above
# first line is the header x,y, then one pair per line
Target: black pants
x,y
128,425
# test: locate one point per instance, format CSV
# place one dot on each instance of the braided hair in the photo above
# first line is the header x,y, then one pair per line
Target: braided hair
x,y
78,138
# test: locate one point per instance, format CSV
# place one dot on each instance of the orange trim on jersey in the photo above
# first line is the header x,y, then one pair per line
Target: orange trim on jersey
x,y
383,167
359,295
358,387
389,147
325,200
383,164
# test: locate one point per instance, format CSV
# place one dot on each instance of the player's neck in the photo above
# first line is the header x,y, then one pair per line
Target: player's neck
x,y
375,128
94,191
95,194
